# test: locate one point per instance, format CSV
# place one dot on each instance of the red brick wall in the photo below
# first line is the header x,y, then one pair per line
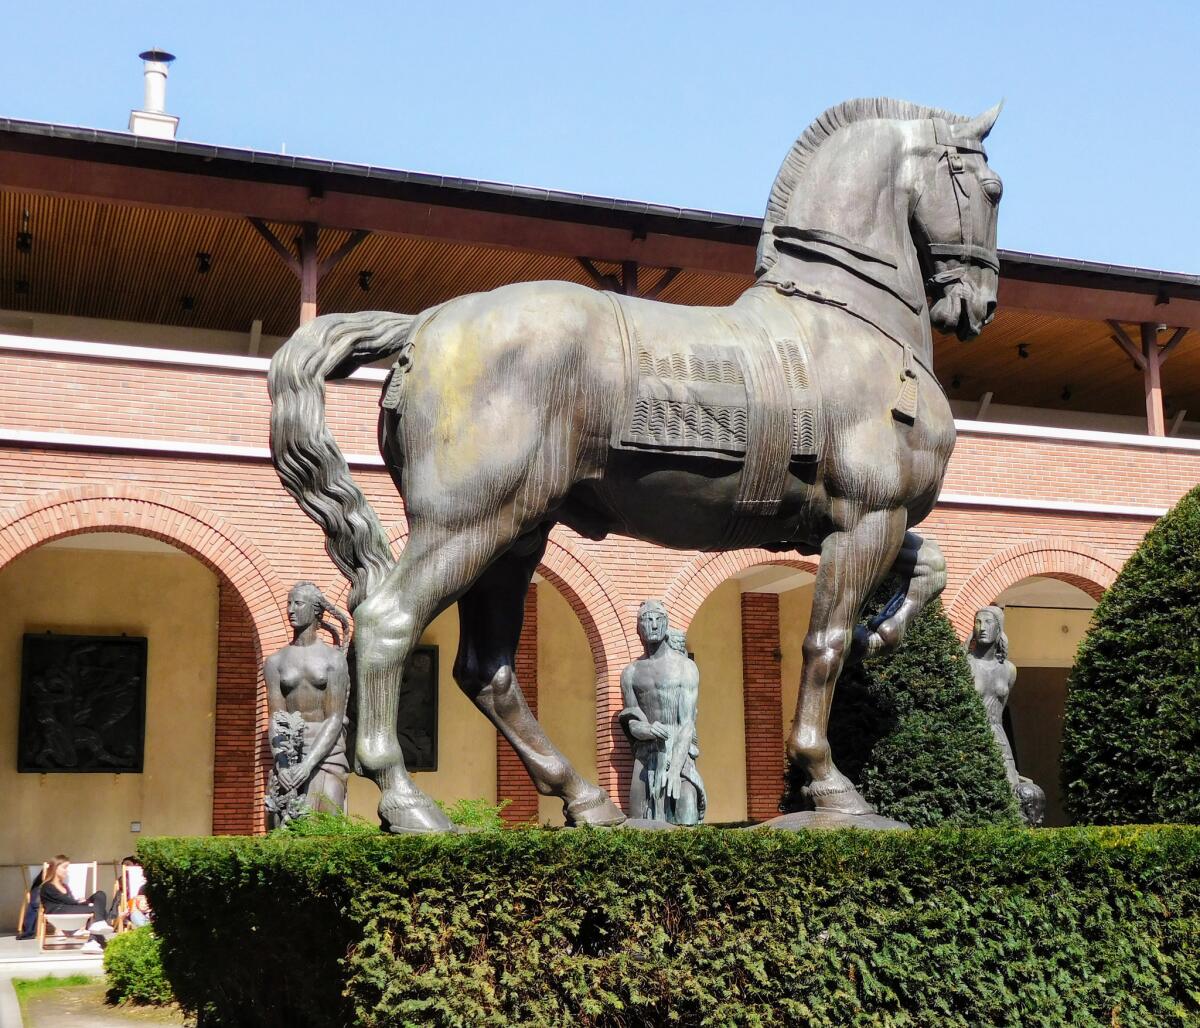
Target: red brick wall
x,y
762,699
240,741
512,780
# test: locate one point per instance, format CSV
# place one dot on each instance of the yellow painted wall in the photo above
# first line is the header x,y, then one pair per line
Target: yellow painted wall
x,y
1037,707
715,638
566,690
1044,636
172,600
1042,642
795,607
466,739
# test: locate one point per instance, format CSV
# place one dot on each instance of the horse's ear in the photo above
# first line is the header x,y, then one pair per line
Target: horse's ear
x,y
978,128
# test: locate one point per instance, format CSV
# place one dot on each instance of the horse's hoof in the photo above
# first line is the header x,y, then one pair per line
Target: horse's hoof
x,y
404,813
594,809
837,795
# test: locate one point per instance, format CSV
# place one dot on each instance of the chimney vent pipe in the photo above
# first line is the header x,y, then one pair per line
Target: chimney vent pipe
x,y
152,119
156,80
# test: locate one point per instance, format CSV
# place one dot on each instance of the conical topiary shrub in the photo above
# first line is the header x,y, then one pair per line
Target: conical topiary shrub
x,y
909,730
1131,737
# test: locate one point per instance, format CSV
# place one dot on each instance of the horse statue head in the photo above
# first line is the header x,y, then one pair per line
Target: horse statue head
x,y
912,209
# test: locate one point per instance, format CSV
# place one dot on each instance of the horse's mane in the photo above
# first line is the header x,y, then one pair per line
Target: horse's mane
x,y
803,149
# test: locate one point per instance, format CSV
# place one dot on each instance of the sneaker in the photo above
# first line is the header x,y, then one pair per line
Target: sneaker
x,y
92,946
100,928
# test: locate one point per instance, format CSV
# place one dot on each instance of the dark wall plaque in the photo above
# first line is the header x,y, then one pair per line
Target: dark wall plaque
x,y
417,720
83,704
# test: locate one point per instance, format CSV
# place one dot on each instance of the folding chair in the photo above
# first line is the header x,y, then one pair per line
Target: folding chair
x,y
29,873
133,878
81,879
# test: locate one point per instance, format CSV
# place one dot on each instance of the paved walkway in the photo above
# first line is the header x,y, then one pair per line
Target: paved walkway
x,y
25,960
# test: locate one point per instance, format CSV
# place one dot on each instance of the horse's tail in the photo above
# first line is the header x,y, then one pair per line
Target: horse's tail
x,y
304,452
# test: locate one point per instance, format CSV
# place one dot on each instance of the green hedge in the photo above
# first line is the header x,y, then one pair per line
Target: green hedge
x,y
909,730
133,965
702,927
1131,735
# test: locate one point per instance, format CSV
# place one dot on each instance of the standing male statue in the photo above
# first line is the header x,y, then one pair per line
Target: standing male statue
x,y
660,690
994,675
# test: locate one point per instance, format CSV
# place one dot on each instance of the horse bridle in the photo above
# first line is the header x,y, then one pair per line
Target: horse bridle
x,y
967,251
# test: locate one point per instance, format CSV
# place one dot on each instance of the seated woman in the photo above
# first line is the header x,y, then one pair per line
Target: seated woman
x,y
57,898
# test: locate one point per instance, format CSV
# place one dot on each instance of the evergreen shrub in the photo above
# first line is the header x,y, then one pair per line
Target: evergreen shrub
x,y
909,730
699,927
1131,735
133,964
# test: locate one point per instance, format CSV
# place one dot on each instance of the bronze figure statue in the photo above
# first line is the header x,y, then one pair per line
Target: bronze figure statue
x,y
995,675
308,689
804,417
660,691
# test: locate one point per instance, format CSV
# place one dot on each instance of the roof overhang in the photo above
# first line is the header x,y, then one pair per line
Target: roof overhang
x,y
119,167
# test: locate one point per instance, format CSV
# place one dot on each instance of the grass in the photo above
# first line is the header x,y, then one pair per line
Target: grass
x,y
26,988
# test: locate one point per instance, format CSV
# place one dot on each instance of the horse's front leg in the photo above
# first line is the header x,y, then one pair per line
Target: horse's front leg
x,y
922,571
853,563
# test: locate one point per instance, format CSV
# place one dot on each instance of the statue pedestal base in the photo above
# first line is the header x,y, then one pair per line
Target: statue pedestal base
x,y
802,820
645,824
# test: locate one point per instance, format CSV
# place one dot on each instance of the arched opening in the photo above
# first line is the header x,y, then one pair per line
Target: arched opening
x,y
1045,619
746,636
104,747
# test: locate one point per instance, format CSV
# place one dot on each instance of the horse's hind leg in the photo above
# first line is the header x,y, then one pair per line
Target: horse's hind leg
x,y
853,563
922,570
431,572
490,615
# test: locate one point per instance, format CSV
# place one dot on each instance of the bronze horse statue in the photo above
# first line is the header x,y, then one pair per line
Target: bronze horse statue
x,y
805,417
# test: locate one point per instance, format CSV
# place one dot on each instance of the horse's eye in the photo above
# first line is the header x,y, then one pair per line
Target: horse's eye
x,y
993,190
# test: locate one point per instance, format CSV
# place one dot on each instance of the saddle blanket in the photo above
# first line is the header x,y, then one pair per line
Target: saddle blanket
x,y
718,383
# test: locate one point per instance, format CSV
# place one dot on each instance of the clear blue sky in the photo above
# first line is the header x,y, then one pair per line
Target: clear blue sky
x,y
690,104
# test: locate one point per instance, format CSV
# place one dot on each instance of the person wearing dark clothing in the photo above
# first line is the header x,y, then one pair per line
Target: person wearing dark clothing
x,y
29,924
57,898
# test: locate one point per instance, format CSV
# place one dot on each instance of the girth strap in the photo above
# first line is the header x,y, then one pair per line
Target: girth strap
x,y
768,429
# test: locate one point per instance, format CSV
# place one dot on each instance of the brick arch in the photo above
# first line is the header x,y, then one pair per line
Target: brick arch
x,y
700,576
250,595
597,603
1064,559
219,546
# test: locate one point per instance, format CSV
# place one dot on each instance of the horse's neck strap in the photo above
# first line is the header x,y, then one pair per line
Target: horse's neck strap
x,y
861,261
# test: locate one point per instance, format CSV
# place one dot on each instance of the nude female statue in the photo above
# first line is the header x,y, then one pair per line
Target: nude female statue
x,y
994,675
308,687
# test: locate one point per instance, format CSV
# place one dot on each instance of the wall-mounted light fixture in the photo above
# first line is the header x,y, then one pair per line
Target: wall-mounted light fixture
x,y
1023,350
25,237
364,280
203,263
